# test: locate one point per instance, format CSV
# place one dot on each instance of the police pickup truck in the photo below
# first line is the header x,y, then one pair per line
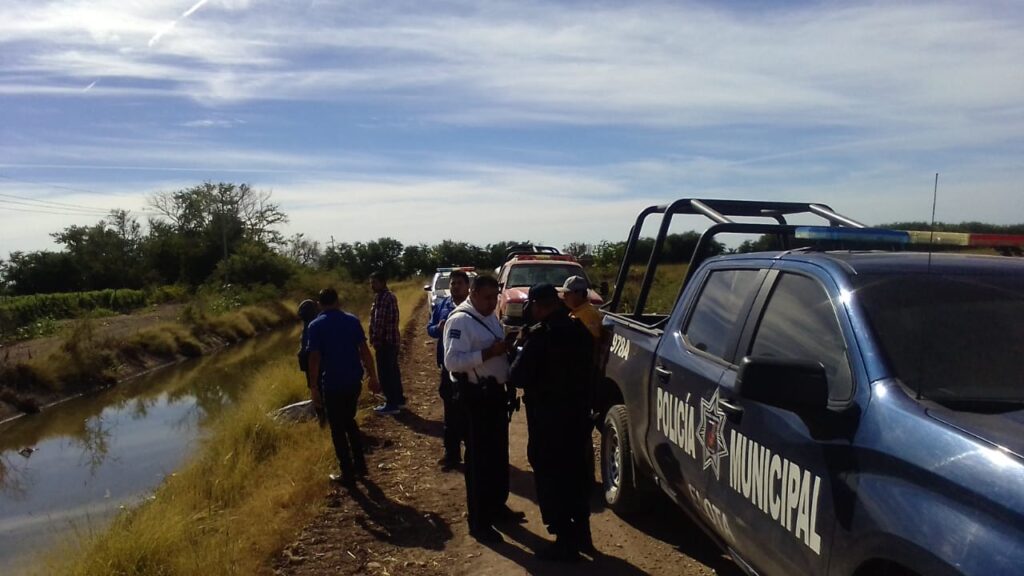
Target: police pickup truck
x,y
823,408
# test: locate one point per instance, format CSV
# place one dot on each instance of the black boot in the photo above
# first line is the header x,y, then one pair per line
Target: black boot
x,y
584,539
561,550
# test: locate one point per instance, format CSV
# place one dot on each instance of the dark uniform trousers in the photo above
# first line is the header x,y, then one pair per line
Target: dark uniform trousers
x,y
560,452
486,417
553,369
454,419
341,415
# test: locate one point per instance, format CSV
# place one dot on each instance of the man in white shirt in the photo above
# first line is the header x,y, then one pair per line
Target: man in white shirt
x,y
475,353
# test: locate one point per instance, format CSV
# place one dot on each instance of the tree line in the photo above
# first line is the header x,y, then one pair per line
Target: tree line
x,y
226,233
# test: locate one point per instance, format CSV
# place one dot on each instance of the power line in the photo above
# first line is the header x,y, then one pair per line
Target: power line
x,y
55,203
30,204
49,184
44,211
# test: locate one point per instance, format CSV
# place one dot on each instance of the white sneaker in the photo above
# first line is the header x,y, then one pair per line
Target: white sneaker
x,y
386,410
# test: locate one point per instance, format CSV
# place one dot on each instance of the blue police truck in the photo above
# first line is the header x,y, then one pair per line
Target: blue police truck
x,y
848,403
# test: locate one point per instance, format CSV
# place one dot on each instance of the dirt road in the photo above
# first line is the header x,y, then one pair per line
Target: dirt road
x,y
408,517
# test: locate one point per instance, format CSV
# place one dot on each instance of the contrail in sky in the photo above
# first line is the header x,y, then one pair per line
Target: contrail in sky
x,y
89,87
170,26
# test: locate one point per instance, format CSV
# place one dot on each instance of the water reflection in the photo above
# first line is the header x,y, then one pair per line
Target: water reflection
x,y
99,452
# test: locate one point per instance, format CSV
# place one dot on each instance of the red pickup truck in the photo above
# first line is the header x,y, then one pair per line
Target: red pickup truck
x,y
525,269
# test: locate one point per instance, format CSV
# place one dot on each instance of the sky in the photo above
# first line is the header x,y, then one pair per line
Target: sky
x,y
483,121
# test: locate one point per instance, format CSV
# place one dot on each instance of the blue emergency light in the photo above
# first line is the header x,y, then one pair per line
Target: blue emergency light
x,y
835,233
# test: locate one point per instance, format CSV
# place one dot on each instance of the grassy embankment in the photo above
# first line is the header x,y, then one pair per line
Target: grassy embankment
x,y
86,359
252,485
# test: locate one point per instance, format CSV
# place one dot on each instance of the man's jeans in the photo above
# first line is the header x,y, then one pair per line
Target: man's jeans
x,y
341,414
389,374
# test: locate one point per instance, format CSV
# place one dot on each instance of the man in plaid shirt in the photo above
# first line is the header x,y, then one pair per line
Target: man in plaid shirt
x,y
385,339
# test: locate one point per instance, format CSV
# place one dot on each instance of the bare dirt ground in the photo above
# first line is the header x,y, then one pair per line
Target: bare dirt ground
x,y
408,517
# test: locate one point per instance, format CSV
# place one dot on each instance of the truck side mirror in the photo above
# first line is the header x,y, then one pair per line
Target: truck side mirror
x,y
603,289
426,288
796,385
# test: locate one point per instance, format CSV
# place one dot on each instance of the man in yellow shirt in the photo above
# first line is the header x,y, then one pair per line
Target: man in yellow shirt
x,y
575,293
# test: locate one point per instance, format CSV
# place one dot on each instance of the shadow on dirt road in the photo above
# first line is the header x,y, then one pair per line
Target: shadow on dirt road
x,y
660,519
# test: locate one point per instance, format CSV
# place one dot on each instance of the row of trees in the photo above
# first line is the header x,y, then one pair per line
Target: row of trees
x,y
199,233
227,233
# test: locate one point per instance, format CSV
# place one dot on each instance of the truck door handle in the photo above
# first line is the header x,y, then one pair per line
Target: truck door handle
x,y
663,373
728,407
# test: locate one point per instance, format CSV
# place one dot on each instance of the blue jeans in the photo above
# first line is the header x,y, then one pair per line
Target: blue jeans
x,y
389,374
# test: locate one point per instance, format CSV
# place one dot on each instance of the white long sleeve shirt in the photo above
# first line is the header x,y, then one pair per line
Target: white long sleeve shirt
x,y
465,339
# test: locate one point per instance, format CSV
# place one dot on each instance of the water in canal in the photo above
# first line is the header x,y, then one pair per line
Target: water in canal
x,y
71,468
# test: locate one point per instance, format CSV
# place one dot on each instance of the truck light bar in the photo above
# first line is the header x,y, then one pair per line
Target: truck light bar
x,y
996,240
971,239
559,257
877,235
463,268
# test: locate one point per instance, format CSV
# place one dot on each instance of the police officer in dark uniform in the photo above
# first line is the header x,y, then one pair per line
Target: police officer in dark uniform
x,y
554,371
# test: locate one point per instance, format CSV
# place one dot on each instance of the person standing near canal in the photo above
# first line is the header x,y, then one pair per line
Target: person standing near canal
x,y
385,339
337,355
308,311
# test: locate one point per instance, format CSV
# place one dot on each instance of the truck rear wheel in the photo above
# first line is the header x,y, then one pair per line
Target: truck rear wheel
x,y
620,490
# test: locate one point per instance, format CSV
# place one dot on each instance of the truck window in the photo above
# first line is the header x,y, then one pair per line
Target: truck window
x,y
799,323
713,323
953,337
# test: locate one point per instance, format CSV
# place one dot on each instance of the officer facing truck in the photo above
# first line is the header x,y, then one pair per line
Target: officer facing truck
x,y
475,353
554,371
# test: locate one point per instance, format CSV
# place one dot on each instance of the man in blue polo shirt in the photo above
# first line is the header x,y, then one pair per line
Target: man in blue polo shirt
x,y
337,354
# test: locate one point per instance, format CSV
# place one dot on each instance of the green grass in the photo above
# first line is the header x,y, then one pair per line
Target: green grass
x,y
21,311
664,291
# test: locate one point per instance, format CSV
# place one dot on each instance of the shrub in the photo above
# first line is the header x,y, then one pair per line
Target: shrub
x,y
253,264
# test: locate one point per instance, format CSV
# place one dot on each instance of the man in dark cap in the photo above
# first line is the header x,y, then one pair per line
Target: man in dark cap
x,y
308,311
553,370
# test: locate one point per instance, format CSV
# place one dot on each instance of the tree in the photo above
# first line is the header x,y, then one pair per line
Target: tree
x,y
383,254
42,272
254,264
577,249
302,251
211,221
418,259
108,254
452,253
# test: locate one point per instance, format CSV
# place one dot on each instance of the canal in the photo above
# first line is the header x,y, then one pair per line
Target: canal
x,y
65,472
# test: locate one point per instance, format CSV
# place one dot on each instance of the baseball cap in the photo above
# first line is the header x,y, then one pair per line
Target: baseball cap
x,y
542,292
575,284
308,310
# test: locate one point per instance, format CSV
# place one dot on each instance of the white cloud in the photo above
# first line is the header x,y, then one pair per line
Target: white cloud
x,y
857,105
871,66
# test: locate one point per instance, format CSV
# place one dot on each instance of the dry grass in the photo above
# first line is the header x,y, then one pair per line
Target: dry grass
x,y
409,294
85,360
250,488
252,483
